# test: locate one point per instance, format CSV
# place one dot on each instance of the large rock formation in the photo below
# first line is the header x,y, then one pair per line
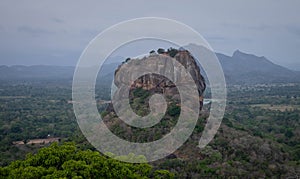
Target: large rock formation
x,y
158,83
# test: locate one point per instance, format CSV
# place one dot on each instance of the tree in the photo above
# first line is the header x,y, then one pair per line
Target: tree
x,y
127,60
173,110
172,52
67,161
152,52
289,133
160,51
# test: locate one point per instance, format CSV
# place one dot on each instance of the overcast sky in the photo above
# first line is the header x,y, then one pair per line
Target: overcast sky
x,y
56,32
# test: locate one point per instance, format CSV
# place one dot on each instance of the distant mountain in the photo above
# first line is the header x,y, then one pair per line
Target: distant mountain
x,y
20,72
240,68
45,72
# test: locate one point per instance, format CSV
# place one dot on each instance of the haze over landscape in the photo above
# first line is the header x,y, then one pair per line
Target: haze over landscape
x,y
230,109
55,33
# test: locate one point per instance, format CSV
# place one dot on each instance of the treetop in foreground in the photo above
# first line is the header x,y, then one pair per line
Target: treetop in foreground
x,y
67,161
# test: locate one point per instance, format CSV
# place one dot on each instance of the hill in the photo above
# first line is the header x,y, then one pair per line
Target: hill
x,y
240,68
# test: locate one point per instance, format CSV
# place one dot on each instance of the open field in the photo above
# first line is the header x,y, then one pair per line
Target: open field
x,y
281,108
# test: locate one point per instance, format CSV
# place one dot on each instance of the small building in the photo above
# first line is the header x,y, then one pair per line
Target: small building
x,y
38,141
43,141
18,142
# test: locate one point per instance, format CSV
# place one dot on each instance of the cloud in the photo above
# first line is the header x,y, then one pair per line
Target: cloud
x,y
34,31
89,32
215,38
260,27
57,20
245,26
295,30
2,28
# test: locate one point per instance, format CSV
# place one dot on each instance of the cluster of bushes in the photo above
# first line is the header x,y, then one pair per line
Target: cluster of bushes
x,y
171,51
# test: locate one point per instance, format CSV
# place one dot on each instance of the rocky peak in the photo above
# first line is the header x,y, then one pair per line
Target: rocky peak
x,y
241,55
158,83
238,53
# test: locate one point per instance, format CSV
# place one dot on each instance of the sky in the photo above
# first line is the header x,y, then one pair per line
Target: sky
x,y
56,32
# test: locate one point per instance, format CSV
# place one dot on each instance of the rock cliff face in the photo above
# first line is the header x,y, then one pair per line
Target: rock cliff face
x,y
159,83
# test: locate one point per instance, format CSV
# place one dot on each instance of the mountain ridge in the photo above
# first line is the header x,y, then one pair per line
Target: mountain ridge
x,y
240,68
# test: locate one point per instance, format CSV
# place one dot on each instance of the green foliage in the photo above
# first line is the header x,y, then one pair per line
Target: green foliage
x,y
227,122
140,93
173,110
296,153
152,51
160,51
172,52
289,133
33,110
158,174
66,161
127,60
139,101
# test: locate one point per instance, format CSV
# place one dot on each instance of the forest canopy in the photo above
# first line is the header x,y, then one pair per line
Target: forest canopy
x,y
67,161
